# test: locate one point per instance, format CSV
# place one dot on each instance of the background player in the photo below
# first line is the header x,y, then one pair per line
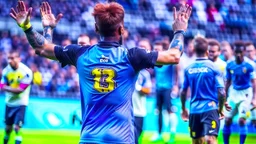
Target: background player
x,y
142,89
214,53
250,53
107,71
16,80
241,88
164,84
205,81
83,40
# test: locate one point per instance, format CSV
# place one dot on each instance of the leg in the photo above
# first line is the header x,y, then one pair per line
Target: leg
x,y
227,130
243,108
200,140
211,139
243,130
18,137
19,120
159,104
138,128
196,129
173,119
9,121
232,101
8,131
211,126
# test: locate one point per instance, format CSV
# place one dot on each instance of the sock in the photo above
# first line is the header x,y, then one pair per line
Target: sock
x,y
6,137
173,122
18,137
226,133
243,133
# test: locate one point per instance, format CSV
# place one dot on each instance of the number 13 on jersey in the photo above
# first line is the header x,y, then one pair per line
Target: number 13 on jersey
x,y
104,79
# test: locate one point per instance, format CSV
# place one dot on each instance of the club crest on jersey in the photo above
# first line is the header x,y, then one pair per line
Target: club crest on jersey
x,y
231,71
244,70
104,59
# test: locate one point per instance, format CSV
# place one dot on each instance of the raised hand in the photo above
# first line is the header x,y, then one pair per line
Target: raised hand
x,y
181,18
22,15
48,19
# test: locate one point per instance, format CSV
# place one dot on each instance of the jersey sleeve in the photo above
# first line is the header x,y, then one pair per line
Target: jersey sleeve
x,y
252,72
219,79
186,82
228,74
141,59
68,55
147,83
4,80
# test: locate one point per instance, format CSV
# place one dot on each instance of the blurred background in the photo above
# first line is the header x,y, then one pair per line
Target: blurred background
x,y
54,101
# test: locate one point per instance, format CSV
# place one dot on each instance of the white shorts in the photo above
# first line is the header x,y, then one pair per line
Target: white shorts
x,y
240,102
253,114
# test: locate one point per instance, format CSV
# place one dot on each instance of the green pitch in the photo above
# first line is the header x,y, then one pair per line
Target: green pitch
x,y
71,137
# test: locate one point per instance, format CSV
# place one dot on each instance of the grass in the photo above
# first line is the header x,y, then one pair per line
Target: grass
x,y
72,137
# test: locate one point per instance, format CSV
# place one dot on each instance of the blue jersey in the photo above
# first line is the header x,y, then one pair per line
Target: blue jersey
x,y
107,75
240,74
203,77
164,77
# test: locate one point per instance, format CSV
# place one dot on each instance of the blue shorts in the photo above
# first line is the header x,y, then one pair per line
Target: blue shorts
x,y
202,124
15,115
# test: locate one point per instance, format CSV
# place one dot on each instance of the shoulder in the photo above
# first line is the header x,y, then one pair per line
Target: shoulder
x,y
25,69
6,70
230,63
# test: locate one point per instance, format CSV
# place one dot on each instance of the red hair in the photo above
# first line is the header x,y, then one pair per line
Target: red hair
x,y
108,17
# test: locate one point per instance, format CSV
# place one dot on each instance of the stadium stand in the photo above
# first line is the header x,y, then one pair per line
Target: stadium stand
x,y
228,20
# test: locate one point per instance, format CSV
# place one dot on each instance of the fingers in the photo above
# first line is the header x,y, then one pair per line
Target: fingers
x,y
174,13
29,12
13,12
13,16
48,7
59,17
44,8
221,117
23,7
188,11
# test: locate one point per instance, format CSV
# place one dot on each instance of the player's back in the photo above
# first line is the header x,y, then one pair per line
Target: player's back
x,y
107,87
201,77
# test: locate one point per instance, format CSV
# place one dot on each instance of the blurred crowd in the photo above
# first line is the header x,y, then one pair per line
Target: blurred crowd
x,y
228,20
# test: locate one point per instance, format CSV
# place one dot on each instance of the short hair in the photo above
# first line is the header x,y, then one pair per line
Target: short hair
x,y
200,45
108,17
248,43
83,35
238,44
214,42
158,42
14,52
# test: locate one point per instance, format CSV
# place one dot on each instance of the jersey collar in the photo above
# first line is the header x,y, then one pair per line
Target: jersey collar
x,y
201,58
107,44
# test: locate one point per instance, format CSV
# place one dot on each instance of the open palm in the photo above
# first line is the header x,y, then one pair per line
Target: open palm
x,y
181,17
48,19
21,16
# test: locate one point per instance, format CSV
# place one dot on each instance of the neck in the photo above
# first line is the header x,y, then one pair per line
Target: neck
x,y
239,61
198,56
110,38
14,68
